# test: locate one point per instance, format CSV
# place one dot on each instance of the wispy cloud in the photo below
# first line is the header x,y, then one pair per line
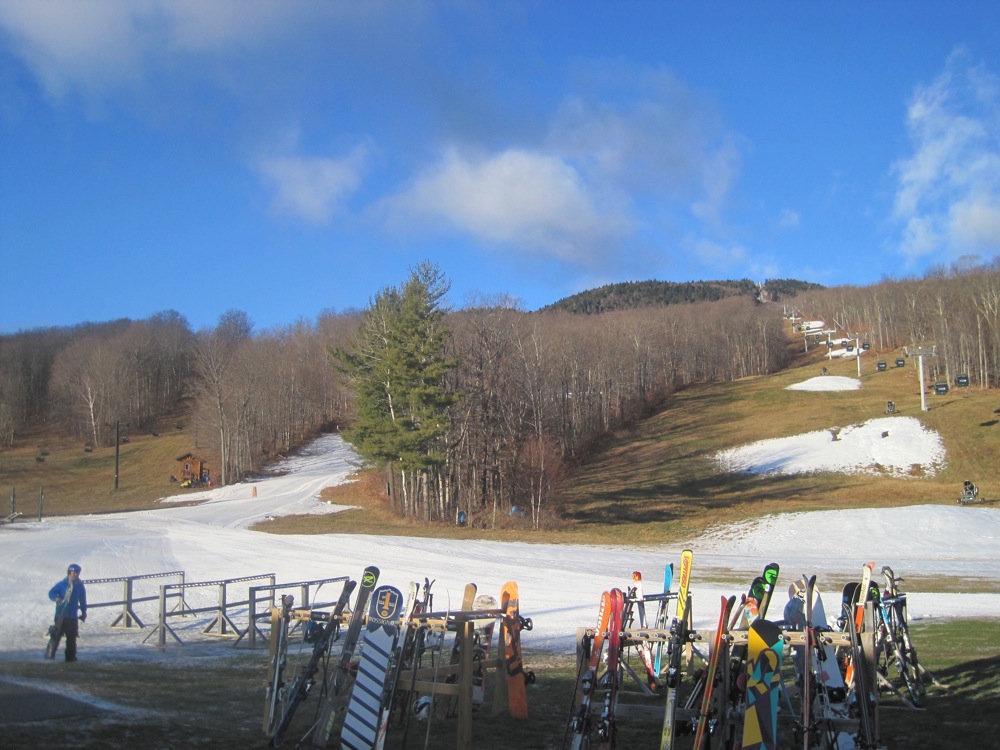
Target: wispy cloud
x,y
99,46
644,131
788,219
948,192
715,255
312,188
632,154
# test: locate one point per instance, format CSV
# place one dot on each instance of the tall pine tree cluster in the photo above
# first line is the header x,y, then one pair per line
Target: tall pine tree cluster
x,y
397,368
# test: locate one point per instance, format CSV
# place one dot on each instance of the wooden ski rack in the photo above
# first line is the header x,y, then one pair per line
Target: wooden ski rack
x,y
452,681
456,680
640,707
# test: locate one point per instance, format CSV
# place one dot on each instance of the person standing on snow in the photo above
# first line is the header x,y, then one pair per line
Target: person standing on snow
x,y
72,591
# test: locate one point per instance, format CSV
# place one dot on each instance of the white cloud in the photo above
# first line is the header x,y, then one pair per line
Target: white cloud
x,y
948,190
312,188
788,219
522,198
921,237
92,45
721,257
664,143
100,47
976,223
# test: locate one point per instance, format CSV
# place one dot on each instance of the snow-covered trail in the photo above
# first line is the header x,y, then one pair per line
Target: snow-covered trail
x,y
560,584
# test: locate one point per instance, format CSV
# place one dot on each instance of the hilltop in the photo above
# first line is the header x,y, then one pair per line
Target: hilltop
x,y
636,294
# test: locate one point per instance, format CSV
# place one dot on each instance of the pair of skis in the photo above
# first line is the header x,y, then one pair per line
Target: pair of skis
x,y
331,713
289,698
679,640
587,678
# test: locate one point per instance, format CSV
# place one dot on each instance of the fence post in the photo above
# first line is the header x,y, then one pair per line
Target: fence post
x,y
162,638
128,616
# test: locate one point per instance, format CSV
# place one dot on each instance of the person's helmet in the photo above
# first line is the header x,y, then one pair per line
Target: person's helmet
x,y
74,568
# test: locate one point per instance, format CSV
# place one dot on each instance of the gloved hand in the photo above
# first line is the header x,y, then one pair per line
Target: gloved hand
x,y
83,617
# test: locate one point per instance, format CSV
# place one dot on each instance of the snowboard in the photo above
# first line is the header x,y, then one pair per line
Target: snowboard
x,y
511,627
363,720
763,673
55,629
770,576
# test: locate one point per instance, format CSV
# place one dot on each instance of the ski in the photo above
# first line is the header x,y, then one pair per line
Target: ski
x,y
770,576
687,561
854,611
606,728
856,674
645,650
482,644
895,601
331,713
304,680
278,656
679,633
417,642
579,722
679,630
807,663
661,615
710,672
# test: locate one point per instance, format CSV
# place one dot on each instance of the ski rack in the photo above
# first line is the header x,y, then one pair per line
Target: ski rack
x,y
266,594
687,713
456,680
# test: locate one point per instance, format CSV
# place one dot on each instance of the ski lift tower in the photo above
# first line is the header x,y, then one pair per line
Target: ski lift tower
x,y
920,352
858,346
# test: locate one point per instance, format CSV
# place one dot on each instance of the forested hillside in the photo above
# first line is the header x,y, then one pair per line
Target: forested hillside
x,y
634,294
475,410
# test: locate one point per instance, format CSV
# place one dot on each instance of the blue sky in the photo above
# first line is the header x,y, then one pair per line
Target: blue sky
x,y
284,158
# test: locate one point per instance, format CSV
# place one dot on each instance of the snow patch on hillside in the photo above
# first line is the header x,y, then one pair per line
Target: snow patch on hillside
x,y
888,446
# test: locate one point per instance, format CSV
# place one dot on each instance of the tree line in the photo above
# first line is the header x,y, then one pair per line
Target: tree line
x,y
955,309
477,412
629,295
